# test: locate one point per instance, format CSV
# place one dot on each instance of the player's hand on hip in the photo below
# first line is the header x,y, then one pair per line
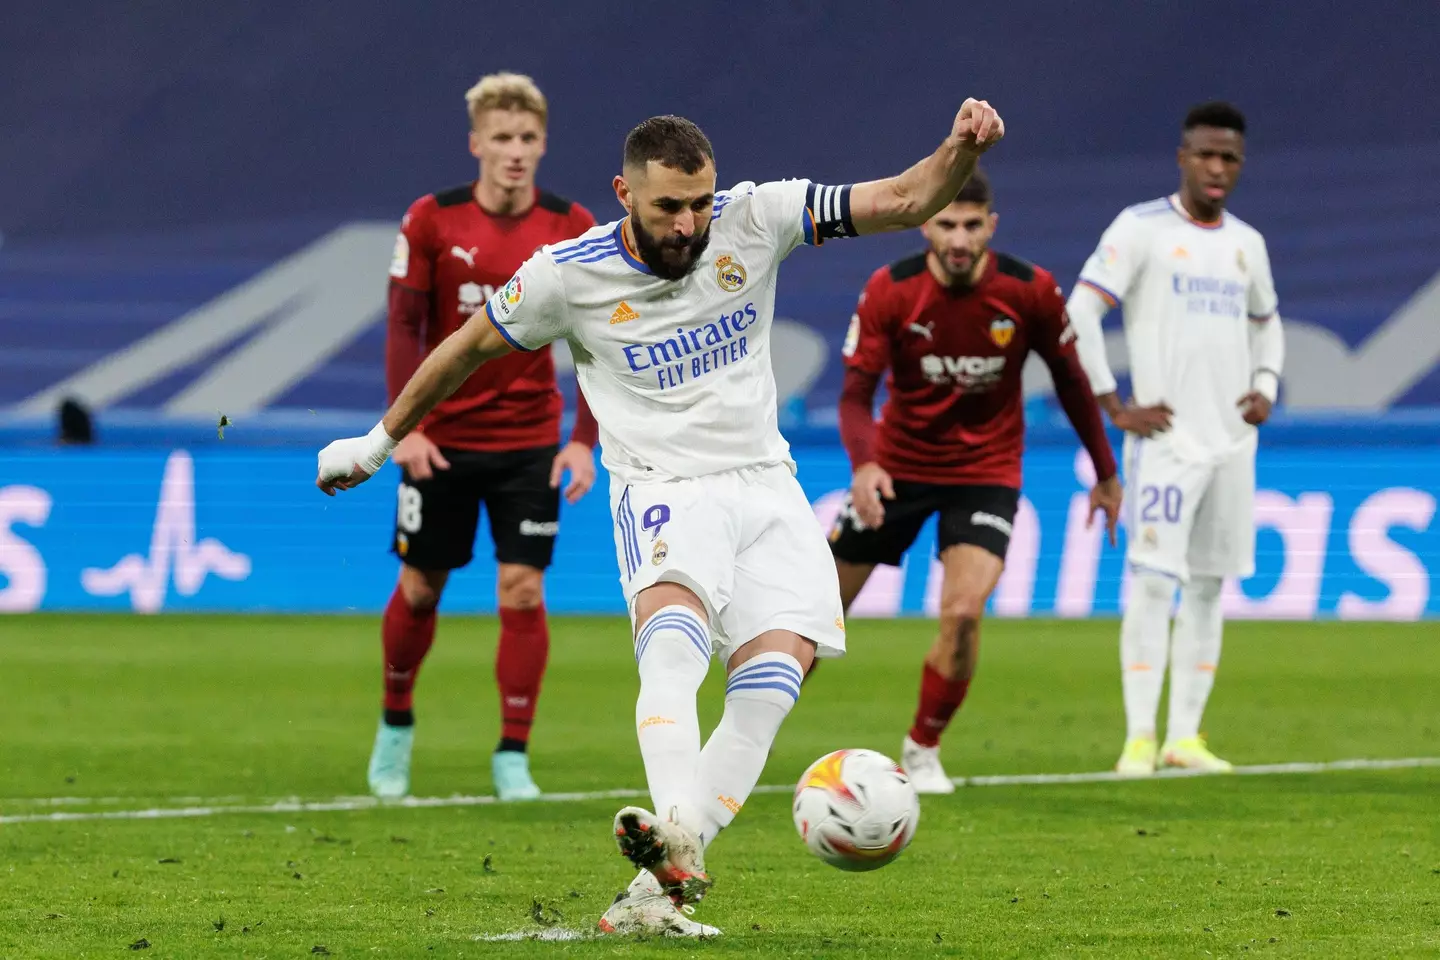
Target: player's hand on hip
x,y
419,457
1144,421
978,126
869,484
580,461
350,462
1255,407
1106,495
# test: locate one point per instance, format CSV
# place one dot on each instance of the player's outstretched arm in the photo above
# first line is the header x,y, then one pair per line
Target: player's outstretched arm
x,y
908,200
348,463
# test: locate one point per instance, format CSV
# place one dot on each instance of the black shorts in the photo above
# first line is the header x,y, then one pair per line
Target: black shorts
x,y
979,515
436,519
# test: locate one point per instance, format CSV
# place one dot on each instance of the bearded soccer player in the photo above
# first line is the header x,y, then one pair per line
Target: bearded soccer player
x,y
1206,351
669,311
952,326
494,441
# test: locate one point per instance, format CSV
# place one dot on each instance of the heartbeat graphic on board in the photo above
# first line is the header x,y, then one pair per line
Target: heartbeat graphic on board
x,y
172,550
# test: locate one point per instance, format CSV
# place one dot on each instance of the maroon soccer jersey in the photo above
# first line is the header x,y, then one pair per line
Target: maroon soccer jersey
x,y
955,411
456,255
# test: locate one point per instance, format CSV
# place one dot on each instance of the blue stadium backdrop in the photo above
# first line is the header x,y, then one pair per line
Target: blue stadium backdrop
x,y
199,204
1342,533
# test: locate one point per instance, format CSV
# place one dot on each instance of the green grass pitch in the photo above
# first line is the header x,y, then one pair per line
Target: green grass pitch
x,y
122,713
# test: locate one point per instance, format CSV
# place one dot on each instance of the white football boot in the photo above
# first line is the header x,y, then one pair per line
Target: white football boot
x,y
643,908
666,849
922,765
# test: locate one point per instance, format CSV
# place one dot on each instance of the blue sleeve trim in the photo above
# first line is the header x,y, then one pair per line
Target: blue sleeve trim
x,y
490,315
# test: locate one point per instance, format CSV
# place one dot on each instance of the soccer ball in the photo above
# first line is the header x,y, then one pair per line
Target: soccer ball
x,y
856,809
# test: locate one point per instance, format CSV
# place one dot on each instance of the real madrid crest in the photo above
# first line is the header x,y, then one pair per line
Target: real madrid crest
x,y
1240,260
1002,331
729,273
659,553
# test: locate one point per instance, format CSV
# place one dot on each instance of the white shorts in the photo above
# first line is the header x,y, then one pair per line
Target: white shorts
x,y
1186,517
745,541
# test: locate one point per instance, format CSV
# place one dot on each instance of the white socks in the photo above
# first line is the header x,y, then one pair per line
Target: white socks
x,y
1194,652
704,789
1195,655
1144,643
758,696
673,654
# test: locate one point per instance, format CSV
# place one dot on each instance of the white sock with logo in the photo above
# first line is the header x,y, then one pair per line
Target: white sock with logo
x,y
758,697
1194,655
672,651
1144,644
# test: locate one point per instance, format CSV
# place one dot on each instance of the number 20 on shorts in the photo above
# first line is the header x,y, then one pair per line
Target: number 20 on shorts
x,y
1160,503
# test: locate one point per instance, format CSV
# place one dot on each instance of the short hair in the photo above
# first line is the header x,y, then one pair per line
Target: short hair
x,y
976,189
1216,113
505,91
672,142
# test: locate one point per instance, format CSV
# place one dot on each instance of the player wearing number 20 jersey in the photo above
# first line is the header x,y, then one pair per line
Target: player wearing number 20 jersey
x,y
668,314
1206,350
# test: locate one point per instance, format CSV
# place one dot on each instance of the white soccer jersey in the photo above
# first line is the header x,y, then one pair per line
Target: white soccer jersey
x,y
678,373
1189,291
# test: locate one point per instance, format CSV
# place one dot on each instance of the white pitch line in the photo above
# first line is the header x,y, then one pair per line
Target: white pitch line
x,y
343,804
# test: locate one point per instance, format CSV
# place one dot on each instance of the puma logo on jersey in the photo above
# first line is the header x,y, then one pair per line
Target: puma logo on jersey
x,y
467,255
927,330
624,314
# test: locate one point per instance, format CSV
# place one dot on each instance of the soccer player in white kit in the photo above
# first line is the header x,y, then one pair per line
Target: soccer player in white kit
x,y
1206,351
668,315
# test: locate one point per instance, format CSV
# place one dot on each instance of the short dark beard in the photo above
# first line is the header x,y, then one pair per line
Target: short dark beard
x,y
651,251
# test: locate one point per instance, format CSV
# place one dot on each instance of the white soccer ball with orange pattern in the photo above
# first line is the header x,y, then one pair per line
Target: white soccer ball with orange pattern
x,y
856,809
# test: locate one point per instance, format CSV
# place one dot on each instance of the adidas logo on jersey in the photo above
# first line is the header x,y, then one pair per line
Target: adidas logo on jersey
x,y
624,314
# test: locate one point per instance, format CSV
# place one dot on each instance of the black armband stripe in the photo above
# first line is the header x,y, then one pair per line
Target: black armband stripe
x,y
830,206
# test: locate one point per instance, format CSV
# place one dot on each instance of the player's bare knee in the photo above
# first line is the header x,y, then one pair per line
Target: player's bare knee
x,y
422,588
520,587
955,610
666,593
776,641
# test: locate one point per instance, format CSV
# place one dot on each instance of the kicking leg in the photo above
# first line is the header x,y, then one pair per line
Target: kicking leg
x,y
971,573
763,685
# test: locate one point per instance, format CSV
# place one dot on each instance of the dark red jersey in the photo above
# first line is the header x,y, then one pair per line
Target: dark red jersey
x,y
450,256
955,411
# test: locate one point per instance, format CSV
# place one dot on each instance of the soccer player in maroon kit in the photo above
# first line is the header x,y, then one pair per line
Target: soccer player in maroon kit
x,y
494,441
953,326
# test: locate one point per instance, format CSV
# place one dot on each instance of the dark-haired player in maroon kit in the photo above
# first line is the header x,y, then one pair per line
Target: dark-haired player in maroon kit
x,y
494,441
953,326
